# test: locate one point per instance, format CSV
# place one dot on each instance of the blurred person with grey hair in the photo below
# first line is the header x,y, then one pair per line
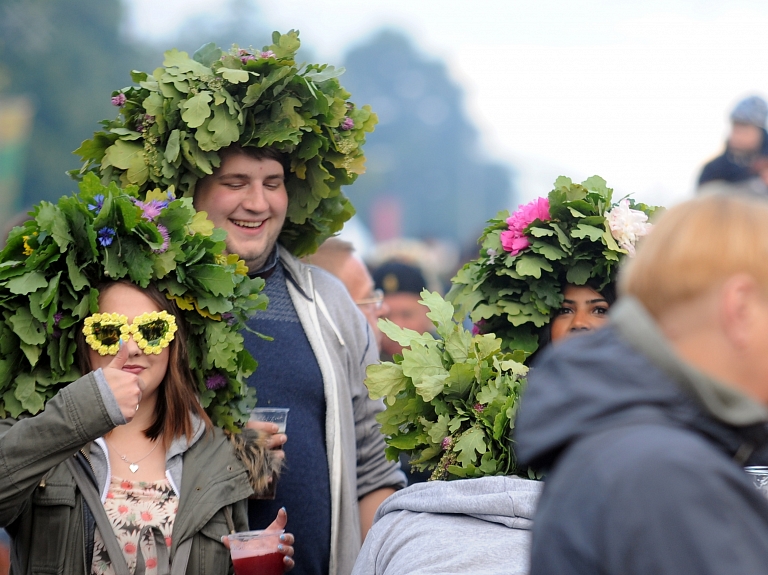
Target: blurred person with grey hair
x,y
338,257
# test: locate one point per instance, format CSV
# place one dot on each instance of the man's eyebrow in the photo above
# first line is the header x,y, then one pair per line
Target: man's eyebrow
x,y
236,175
589,301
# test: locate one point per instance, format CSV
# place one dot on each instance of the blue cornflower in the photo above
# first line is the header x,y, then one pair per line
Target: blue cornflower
x,y
105,236
99,199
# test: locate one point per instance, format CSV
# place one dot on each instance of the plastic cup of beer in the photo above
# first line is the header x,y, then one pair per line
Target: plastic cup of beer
x,y
278,415
255,552
759,475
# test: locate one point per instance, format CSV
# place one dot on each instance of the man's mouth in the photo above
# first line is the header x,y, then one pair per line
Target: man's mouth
x,y
246,224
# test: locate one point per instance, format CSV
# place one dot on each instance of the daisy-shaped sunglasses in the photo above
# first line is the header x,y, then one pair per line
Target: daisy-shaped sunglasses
x,y
152,331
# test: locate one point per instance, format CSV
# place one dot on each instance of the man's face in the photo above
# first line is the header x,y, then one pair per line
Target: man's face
x,y
745,138
359,283
247,198
405,311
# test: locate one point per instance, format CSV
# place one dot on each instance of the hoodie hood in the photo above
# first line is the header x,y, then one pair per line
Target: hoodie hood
x,y
604,380
510,501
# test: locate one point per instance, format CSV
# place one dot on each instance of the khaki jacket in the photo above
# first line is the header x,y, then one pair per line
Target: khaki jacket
x,y
44,512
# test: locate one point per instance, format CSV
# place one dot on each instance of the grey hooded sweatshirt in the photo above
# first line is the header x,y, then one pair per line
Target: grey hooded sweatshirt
x,y
444,527
645,458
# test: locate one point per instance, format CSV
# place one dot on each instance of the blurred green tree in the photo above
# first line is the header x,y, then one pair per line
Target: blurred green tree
x,y
426,174
66,57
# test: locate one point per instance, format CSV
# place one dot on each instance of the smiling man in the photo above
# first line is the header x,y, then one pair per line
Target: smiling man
x,y
264,147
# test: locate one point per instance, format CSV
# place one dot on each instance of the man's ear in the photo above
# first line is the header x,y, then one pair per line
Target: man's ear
x,y
738,296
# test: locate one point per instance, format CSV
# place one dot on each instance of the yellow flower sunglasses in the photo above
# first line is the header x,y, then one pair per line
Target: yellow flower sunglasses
x,y
152,331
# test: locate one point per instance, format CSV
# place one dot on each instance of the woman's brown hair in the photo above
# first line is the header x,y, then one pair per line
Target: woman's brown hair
x,y
179,396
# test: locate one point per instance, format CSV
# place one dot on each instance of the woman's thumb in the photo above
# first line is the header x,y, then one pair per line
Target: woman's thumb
x,y
122,356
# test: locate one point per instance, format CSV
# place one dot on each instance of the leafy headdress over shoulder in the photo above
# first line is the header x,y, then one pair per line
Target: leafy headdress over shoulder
x,y
53,263
173,123
450,398
575,235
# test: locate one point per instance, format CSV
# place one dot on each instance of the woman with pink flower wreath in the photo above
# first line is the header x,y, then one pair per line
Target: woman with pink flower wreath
x,y
546,272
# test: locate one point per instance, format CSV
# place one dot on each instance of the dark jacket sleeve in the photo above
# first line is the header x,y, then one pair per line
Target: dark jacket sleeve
x,y
31,447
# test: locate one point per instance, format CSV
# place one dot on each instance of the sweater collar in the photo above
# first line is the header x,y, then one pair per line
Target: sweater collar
x,y
722,401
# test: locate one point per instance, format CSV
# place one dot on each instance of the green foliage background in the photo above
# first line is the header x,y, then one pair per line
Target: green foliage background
x,y
67,56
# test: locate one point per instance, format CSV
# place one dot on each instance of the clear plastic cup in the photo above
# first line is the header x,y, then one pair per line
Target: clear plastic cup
x,y
278,415
759,475
255,552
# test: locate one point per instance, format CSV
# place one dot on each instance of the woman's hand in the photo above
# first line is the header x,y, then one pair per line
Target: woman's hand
x,y
126,387
286,539
275,440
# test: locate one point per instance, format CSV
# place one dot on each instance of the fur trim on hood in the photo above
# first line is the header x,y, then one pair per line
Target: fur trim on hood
x,y
262,463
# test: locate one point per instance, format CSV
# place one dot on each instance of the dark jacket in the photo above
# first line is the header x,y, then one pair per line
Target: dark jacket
x,y
44,511
645,459
730,167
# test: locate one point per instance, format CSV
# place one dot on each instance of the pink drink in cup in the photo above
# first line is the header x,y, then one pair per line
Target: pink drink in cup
x,y
255,553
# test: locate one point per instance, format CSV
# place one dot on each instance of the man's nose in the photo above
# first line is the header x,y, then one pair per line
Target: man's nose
x,y
254,199
383,311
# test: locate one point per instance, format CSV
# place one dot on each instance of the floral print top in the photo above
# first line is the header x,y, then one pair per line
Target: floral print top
x,y
137,510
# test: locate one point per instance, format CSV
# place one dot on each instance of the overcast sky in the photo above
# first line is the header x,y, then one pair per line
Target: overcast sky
x,y
637,92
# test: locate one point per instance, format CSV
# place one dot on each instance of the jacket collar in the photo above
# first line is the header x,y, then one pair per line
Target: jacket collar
x,y
721,401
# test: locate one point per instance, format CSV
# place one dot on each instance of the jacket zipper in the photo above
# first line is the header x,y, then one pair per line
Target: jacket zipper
x,y
85,537
88,459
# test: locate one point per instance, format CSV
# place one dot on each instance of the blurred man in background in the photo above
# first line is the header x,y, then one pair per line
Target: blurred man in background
x,y
338,257
747,141
402,285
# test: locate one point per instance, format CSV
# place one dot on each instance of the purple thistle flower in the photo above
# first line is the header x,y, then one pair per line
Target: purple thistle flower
x,y
446,443
215,382
105,236
57,317
166,239
247,58
347,124
150,210
119,100
99,199
479,407
268,54
229,318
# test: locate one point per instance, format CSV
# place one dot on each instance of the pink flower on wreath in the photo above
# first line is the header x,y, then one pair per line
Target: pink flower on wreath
x,y
514,240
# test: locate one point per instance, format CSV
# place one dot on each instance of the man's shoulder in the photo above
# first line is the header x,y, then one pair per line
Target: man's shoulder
x,y
300,272
631,469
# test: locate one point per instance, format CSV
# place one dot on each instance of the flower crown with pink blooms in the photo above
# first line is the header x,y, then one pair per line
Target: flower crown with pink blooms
x,y
575,235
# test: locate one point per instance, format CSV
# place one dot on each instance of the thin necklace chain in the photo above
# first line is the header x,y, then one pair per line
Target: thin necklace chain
x,y
132,465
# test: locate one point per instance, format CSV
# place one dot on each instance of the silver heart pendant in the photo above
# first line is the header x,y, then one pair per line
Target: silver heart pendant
x,y
133,467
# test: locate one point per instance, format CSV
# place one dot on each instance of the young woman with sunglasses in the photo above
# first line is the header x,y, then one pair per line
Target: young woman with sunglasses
x,y
123,471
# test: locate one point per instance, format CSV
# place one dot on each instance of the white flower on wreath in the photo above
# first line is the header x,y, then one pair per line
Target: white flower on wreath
x,y
627,225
